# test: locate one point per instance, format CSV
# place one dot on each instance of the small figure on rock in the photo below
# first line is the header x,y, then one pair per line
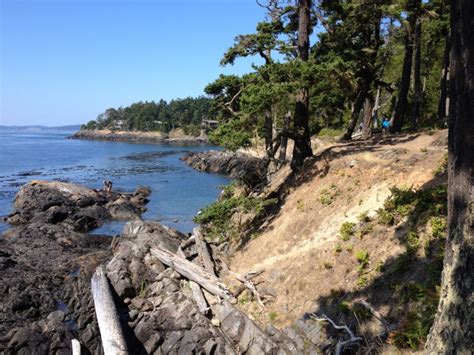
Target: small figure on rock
x,y
107,186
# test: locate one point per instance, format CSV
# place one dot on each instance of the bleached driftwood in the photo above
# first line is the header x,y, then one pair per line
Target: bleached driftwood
x,y
188,242
203,251
340,344
76,347
192,272
196,290
113,340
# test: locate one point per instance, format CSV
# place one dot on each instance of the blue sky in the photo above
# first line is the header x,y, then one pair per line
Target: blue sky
x,y
65,61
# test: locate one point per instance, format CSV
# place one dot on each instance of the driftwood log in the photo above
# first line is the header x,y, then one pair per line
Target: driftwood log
x,y
196,290
113,340
203,251
192,272
76,347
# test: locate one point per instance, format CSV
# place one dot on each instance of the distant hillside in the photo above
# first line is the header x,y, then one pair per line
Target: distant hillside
x,y
40,128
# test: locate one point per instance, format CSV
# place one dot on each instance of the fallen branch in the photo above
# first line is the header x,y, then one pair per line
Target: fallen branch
x,y
248,276
111,334
249,285
192,272
340,344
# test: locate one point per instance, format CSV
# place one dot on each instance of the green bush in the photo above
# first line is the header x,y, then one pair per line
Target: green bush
x,y
362,257
438,227
347,230
217,216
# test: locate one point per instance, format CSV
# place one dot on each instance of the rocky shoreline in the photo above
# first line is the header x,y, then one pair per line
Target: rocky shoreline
x,y
137,137
47,260
251,170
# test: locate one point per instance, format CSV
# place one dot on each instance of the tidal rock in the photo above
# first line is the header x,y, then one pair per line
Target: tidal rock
x,y
251,170
79,207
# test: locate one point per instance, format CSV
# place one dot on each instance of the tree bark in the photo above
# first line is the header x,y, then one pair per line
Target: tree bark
x,y
367,119
268,127
418,95
284,138
358,104
398,115
453,329
443,96
375,111
302,137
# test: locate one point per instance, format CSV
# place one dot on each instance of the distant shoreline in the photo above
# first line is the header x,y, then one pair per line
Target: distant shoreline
x,y
145,137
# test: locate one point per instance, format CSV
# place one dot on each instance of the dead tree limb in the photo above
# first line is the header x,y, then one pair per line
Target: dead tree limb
x,y
113,340
340,344
249,285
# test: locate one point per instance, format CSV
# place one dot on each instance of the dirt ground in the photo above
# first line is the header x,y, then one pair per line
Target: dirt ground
x,y
301,251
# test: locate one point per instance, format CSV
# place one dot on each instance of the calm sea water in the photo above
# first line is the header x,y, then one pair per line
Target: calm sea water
x,y
178,192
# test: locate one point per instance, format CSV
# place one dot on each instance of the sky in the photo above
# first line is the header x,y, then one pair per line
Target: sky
x,y
65,61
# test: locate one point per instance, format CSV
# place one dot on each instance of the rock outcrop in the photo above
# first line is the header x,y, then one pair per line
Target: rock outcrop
x,y
78,207
251,170
46,262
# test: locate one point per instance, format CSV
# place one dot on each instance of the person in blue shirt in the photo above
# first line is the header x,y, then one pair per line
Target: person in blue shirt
x,y
385,125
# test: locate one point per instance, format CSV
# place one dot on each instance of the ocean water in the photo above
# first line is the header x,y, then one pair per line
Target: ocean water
x,y
178,192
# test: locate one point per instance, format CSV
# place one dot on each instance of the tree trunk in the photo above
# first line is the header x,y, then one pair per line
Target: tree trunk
x,y
375,111
268,126
398,115
358,104
443,96
302,137
453,329
284,138
367,119
418,95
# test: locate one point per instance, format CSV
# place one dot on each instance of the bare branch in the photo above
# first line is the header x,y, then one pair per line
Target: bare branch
x,y
340,344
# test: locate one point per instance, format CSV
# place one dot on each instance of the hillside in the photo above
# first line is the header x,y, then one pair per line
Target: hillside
x,y
363,223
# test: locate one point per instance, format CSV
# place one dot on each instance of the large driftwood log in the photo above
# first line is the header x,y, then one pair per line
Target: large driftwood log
x,y
113,340
192,272
203,251
196,290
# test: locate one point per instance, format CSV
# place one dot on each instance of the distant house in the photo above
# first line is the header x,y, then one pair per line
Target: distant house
x,y
118,124
211,124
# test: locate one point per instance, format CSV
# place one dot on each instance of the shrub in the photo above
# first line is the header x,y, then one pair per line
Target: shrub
x,y
347,230
362,257
438,227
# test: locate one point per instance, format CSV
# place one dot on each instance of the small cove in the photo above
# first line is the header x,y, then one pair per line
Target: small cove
x,y
178,192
